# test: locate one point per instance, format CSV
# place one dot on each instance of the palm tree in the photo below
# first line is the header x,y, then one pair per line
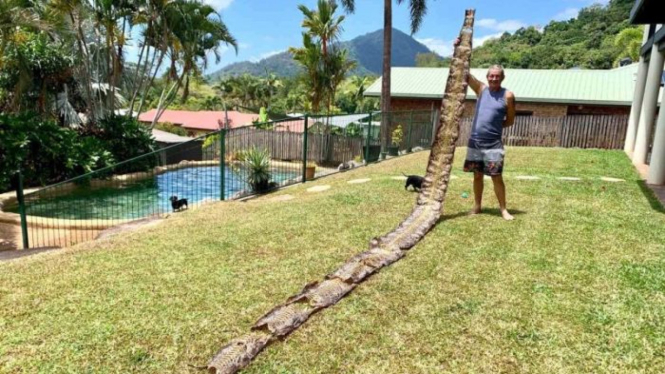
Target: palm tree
x,y
337,66
311,58
16,15
106,15
212,103
359,84
196,30
271,84
322,23
418,9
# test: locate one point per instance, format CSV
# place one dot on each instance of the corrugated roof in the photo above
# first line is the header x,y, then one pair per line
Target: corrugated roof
x,y
575,86
167,137
200,120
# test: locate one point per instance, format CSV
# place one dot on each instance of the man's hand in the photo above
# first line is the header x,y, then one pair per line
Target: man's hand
x,y
457,42
510,106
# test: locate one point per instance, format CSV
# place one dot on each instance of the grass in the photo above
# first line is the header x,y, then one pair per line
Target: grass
x,y
575,284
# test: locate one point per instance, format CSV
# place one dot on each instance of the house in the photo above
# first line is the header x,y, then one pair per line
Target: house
x,y
203,122
538,92
173,155
200,122
646,151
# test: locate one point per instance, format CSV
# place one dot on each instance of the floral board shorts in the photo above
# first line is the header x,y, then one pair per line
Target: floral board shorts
x,y
484,157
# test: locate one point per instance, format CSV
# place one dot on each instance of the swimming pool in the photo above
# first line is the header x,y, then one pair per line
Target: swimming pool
x,y
143,198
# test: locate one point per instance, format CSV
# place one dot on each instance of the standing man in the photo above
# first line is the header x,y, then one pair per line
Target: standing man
x,y
495,110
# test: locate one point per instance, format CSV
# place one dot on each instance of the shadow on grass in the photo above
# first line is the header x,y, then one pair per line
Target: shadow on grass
x,y
491,211
651,196
497,212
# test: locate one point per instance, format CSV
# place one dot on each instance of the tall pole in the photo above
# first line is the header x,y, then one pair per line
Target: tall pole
x,y
222,166
369,136
304,150
21,209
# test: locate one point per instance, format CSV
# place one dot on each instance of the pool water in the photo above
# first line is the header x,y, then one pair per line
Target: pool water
x,y
145,197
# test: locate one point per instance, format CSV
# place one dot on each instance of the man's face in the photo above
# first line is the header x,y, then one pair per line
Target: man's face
x,y
494,78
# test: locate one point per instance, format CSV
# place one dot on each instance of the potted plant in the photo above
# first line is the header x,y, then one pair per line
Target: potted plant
x,y
310,170
395,141
257,162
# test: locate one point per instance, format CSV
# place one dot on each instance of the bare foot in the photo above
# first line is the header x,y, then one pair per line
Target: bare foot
x,y
475,210
507,216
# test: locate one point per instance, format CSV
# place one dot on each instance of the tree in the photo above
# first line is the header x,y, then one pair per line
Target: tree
x,y
311,58
325,64
212,103
322,23
197,30
431,60
629,42
418,9
588,41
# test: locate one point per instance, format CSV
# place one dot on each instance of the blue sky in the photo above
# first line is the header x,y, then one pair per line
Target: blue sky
x,y
266,27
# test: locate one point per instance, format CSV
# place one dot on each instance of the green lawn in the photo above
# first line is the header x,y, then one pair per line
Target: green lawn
x,y
576,284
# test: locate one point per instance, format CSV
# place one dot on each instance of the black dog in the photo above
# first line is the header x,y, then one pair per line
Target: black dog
x,y
414,181
178,204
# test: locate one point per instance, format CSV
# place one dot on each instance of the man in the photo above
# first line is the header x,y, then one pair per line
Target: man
x,y
495,110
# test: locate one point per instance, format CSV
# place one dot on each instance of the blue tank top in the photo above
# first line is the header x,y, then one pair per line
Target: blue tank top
x,y
490,114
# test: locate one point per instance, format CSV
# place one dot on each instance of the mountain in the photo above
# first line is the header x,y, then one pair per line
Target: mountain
x,y
588,41
366,49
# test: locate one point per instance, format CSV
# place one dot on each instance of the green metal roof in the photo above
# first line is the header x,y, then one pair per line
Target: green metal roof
x,y
573,86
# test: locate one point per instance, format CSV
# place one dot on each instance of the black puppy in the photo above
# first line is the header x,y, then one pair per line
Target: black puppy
x,y
178,204
414,181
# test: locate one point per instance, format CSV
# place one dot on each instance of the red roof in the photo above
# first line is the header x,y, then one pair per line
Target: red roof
x,y
209,120
201,120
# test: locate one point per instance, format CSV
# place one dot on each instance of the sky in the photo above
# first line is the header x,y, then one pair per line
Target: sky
x,y
266,27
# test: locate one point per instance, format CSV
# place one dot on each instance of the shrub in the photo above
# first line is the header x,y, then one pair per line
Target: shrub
x,y
397,136
257,162
126,139
169,127
45,152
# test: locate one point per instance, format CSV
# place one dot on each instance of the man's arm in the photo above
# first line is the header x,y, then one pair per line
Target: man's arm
x,y
510,115
476,85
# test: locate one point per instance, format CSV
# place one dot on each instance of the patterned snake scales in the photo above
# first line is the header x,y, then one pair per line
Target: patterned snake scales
x,y
383,251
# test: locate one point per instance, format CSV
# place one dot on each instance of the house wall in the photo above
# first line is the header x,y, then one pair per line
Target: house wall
x,y
535,109
597,109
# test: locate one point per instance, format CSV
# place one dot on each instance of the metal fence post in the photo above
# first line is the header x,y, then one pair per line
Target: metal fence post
x,y
21,209
222,166
386,124
369,136
408,142
304,150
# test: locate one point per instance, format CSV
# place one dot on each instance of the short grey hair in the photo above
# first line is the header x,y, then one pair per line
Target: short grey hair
x,y
497,67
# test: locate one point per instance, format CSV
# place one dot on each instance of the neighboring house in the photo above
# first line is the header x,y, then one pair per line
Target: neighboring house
x,y
203,122
200,122
176,154
645,143
538,93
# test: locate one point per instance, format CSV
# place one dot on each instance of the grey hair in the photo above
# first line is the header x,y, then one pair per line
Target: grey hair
x,y
497,67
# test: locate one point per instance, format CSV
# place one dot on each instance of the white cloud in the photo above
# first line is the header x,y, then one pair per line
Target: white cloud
x,y
477,42
503,26
265,55
219,4
441,47
243,46
445,48
566,14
